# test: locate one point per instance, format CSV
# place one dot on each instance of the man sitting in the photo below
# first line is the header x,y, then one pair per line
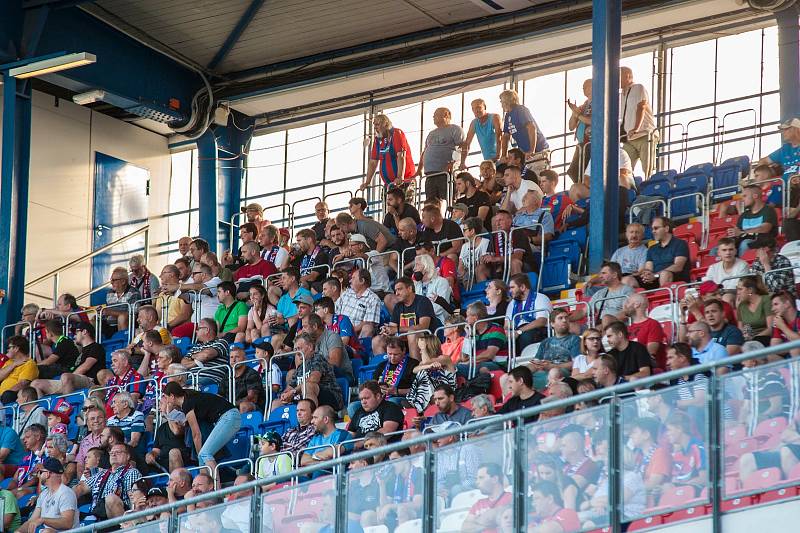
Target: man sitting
x,y
110,488
527,312
449,410
375,413
210,354
485,513
785,322
326,433
607,304
412,313
64,355
776,269
668,259
558,350
757,218
632,359
522,393
632,257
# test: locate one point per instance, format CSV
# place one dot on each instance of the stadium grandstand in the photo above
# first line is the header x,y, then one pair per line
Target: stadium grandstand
x,y
499,266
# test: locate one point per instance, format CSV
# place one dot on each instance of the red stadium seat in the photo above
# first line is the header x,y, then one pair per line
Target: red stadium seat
x,y
734,434
762,479
721,224
409,415
430,411
779,494
734,450
645,523
677,496
495,389
768,432
692,231
794,473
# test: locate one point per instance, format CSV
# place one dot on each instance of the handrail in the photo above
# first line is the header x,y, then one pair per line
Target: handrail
x,y
90,255
517,417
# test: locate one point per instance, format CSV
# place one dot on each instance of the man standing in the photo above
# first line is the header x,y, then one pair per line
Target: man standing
x,y
390,149
439,154
321,212
788,155
633,361
489,131
519,123
638,128
57,506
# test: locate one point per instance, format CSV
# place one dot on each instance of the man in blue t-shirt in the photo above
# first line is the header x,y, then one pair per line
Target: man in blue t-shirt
x,y
519,124
667,260
788,155
319,447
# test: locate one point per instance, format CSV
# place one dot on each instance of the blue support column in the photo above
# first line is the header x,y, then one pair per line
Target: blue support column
x,y
14,195
789,62
207,187
604,186
232,144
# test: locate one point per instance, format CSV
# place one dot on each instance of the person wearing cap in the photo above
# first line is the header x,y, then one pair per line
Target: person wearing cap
x,y
359,249
305,308
775,269
57,505
270,461
458,212
59,417
757,219
788,155
312,261
248,389
286,314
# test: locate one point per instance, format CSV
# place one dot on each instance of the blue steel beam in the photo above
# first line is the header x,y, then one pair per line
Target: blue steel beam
x,y
207,187
789,62
604,185
236,33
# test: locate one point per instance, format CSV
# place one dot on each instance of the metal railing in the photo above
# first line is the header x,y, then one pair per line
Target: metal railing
x,y
517,465
55,274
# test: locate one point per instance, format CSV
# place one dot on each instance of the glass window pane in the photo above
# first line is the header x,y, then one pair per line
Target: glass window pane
x,y
472,476
567,472
401,483
344,168
451,102
407,118
179,198
664,449
226,516
290,508
760,410
265,181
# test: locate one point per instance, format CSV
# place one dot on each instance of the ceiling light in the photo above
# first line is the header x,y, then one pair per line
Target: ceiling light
x,y
47,66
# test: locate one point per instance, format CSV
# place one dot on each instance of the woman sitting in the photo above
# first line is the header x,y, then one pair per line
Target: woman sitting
x,y
428,282
497,296
257,324
433,370
591,350
753,306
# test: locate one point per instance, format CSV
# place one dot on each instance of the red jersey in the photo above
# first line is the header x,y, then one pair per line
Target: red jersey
x,y
487,504
447,269
384,151
566,518
794,326
557,204
649,330
262,268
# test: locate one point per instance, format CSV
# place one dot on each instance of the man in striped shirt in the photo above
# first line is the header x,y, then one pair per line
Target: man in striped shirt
x,y
210,354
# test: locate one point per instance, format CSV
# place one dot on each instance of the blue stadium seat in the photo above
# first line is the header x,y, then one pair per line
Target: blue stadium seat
x,y
183,344
357,364
742,161
280,419
668,175
578,235
239,446
477,292
656,187
252,420
701,168
211,388
555,275
696,180
683,206
567,248
345,386
366,371
725,181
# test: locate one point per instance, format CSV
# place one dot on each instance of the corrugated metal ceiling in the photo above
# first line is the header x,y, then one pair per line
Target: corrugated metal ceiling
x,y
285,29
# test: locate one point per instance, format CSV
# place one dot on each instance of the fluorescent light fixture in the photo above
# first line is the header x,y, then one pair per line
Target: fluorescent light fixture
x,y
47,66
89,97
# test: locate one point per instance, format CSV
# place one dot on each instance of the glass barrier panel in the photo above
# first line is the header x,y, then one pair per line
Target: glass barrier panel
x,y
566,470
308,506
214,517
664,449
385,494
161,526
761,427
474,480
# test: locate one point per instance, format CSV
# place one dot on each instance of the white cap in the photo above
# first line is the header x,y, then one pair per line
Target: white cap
x,y
791,123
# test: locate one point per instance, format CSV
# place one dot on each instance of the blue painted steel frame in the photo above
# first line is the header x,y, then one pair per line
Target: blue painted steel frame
x,y
789,62
207,187
14,197
604,186
236,33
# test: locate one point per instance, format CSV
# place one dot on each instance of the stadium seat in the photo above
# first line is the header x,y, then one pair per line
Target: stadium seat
x,y
762,479
725,181
239,446
579,235
183,344
566,248
466,499
494,388
366,371
735,433
555,275
280,419
345,386
252,420
768,432
664,175
645,523
210,388
739,448
450,520
703,169
690,230
677,496
656,187
410,526
683,203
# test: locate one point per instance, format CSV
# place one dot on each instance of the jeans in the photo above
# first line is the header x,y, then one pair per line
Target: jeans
x,y
224,430
462,369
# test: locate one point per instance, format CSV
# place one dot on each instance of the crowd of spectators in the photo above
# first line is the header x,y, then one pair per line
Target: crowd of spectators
x,y
388,295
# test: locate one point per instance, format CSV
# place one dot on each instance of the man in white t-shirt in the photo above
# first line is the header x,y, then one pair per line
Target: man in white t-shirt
x,y
637,125
516,188
57,506
205,283
729,266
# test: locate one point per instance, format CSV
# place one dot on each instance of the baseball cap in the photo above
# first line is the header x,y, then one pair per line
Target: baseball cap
x,y
460,206
357,237
707,287
87,327
157,491
62,409
272,437
445,426
303,299
791,123
254,207
51,464
266,346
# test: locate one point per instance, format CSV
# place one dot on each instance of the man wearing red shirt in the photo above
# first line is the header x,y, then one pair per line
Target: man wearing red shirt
x,y
551,517
483,514
785,322
645,330
391,151
254,266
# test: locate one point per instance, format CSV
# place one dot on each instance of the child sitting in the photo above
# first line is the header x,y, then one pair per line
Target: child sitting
x,y
59,418
270,463
94,458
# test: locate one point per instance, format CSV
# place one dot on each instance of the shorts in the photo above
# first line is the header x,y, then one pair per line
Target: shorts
x,y
50,371
773,459
436,186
